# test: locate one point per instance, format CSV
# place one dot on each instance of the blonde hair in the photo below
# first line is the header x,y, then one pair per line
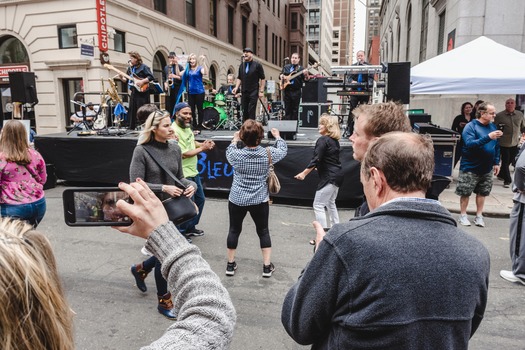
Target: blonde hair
x,y
34,314
195,56
13,142
331,122
152,123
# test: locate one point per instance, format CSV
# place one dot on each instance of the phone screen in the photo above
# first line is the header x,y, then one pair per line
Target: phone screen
x,y
94,207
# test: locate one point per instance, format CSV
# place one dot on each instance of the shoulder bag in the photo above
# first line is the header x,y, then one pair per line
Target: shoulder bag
x,y
274,186
180,209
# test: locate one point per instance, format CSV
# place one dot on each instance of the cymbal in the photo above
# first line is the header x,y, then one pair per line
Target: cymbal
x,y
207,84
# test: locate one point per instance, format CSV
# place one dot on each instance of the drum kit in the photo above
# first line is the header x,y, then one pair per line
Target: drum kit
x,y
223,112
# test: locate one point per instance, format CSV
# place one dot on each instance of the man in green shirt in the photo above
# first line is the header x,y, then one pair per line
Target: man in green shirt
x,y
190,149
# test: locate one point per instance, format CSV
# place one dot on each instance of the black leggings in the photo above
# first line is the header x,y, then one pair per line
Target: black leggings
x,y
259,214
196,101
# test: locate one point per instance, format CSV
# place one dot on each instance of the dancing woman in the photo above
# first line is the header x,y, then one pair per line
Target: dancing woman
x,y
157,132
22,176
326,161
193,74
249,191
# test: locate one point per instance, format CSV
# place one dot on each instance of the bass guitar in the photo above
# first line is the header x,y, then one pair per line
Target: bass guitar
x,y
133,80
285,81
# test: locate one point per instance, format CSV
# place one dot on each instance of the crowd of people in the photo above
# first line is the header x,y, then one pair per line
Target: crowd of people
x,y
365,260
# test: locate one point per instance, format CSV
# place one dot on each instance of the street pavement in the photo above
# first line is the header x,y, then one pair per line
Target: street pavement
x,y
111,313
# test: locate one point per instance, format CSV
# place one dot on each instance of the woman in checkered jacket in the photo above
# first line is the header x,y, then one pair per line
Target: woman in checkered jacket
x,y
249,191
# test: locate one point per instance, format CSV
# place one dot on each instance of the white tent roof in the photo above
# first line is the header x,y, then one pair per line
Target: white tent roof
x,y
481,66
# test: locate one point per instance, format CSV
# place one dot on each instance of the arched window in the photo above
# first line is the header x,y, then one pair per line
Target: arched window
x,y
213,75
12,50
398,43
409,29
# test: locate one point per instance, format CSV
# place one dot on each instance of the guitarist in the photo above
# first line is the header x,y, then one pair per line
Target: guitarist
x,y
142,75
293,89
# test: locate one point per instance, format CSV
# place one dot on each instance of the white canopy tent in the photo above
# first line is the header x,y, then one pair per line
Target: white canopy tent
x,y
481,66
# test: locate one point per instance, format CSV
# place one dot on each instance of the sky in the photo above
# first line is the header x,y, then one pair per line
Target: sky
x,y
359,29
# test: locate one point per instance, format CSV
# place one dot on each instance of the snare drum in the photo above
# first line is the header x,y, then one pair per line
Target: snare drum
x,y
220,100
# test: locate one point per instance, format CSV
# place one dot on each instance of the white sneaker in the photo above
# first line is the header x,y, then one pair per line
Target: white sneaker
x,y
463,220
509,276
478,221
146,252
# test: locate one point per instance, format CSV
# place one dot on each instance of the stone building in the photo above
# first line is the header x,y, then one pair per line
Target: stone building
x,y
60,41
417,30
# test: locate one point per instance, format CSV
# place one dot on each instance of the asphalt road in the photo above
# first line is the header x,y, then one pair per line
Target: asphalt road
x,y
111,313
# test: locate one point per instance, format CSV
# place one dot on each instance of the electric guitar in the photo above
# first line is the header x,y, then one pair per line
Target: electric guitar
x,y
285,81
133,80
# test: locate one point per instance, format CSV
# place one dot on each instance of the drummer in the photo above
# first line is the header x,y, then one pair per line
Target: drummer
x,y
226,90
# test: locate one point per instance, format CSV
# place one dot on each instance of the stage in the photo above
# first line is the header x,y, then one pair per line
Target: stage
x,y
106,159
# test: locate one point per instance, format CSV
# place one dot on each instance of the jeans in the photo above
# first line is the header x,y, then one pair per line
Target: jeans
x,y
154,263
325,197
33,213
198,198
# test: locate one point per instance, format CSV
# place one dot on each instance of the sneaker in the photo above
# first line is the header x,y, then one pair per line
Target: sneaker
x,y
230,268
478,221
268,270
146,252
511,277
195,232
463,220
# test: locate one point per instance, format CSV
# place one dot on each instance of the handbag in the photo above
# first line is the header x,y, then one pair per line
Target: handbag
x,y
180,209
274,186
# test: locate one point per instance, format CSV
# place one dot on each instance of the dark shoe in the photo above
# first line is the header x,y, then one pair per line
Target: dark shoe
x,y
230,268
187,236
194,232
268,270
506,184
165,307
140,275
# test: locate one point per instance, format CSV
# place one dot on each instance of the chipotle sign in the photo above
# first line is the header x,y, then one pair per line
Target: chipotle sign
x,y
102,26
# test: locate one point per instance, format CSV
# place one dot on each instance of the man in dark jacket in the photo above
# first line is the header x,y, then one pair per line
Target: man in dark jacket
x,y
403,276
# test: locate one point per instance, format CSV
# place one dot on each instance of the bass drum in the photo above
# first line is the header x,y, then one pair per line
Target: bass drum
x,y
212,116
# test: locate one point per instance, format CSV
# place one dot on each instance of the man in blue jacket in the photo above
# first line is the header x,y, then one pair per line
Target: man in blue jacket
x,y
401,277
479,162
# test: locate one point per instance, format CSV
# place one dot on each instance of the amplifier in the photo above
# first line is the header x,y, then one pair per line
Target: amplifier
x,y
287,128
309,114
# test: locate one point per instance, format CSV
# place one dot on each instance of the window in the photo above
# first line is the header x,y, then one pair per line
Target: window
x,y
213,19
336,34
279,9
266,42
409,28
273,48
294,21
254,38
119,41
230,24
67,37
160,5
285,15
441,33
244,30
424,31
190,12
69,88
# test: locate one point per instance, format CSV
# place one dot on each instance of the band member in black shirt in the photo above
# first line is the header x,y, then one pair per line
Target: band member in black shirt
x,y
142,75
251,79
293,88
172,80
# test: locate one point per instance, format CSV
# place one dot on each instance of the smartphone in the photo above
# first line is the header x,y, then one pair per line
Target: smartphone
x,y
90,206
501,127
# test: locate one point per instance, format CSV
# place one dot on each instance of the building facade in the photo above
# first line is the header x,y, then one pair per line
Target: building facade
x,y
417,30
319,31
343,32
59,40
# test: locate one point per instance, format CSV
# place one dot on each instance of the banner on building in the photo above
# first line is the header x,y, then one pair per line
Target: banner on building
x,y
102,26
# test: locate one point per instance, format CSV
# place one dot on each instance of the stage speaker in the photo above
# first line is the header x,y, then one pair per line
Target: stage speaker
x,y
398,82
309,114
23,87
287,128
314,91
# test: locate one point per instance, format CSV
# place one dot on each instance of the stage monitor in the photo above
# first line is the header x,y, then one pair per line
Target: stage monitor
x,y
419,118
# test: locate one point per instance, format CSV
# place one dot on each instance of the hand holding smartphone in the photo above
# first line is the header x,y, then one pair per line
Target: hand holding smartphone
x,y
88,206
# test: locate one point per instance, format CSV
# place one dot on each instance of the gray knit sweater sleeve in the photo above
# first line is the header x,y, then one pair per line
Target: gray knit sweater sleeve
x,y
206,314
